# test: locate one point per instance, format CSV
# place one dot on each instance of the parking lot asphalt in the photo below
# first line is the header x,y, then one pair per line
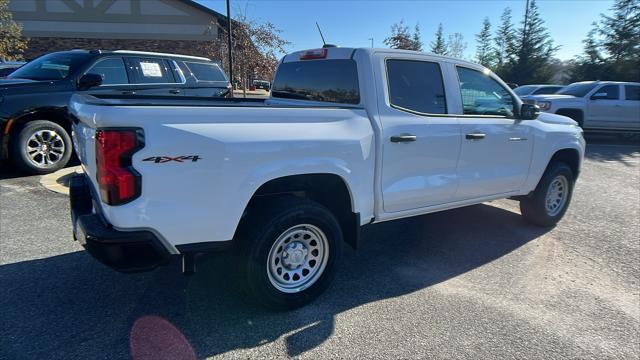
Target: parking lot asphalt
x,y
469,283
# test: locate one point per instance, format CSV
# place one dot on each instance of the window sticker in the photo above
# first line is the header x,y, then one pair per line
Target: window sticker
x,y
150,69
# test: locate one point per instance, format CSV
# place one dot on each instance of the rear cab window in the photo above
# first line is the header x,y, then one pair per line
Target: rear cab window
x,y
322,80
416,86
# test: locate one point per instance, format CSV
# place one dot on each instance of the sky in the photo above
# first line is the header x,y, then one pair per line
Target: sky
x,y
350,23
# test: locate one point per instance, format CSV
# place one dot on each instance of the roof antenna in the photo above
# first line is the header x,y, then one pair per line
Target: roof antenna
x,y
324,43
320,31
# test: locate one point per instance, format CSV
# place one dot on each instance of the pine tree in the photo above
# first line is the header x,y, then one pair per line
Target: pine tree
x,y
12,44
416,40
621,31
484,54
439,46
400,37
536,49
590,65
504,42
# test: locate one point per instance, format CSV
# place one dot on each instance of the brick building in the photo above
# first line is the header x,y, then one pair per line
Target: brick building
x,y
171,26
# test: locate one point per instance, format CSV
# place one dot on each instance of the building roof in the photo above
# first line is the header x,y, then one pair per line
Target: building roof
x,y
117,19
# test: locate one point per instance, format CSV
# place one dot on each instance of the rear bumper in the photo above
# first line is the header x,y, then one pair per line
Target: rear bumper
x,y
124,251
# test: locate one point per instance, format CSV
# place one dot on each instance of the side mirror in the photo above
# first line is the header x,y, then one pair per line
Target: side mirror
x,y
599,96
529,112
88,81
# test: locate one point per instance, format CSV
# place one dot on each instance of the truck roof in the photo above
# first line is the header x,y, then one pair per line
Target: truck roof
x,y
347,52
606,82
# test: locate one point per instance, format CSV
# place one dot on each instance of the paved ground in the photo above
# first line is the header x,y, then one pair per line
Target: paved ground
x,y
468,283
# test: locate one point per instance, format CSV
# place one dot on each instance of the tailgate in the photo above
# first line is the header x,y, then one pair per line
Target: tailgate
x,y
84,138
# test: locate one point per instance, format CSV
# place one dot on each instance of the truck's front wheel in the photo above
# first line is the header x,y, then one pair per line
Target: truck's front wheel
x,y
550,200
289,252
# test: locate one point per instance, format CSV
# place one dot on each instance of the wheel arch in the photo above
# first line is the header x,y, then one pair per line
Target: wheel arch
x,y
328,189
55,115
569,156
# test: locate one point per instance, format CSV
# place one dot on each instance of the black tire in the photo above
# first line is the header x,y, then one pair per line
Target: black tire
x,y
48,163
264,226
534,207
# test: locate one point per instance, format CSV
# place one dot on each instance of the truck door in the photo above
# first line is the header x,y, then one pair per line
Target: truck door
x,y
605,108
631,106
496,147
420,143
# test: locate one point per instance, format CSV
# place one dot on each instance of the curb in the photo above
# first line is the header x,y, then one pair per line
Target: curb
x,y
59,180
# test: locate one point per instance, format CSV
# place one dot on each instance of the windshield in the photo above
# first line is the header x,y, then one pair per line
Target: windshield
x,y
577,89
54,66
524,90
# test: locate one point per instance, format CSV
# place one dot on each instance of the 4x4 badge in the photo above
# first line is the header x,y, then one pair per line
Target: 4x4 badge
x,y
164,159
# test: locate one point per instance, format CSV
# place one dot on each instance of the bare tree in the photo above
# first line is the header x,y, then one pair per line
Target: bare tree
x,y
12,44
255,46
456,45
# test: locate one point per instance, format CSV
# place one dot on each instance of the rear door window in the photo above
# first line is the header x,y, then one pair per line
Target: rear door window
x,y
632,92
152,71
206,71
112,70
417,86
333,81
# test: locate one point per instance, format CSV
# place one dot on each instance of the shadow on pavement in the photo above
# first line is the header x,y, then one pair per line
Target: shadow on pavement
x,y
604,149
70,306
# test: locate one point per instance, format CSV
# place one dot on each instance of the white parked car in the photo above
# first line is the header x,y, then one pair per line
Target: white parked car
x,y
525,91
597,105
348,137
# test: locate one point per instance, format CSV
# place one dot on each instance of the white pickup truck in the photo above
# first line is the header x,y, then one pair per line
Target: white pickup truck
x,y
349,137
610,106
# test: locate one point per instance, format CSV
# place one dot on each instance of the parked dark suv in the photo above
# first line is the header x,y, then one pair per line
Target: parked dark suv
x,y
34,125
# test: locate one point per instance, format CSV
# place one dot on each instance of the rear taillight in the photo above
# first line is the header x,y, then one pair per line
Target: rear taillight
x,y
314,54
119,182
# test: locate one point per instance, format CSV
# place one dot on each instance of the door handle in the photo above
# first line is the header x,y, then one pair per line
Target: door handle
x,y
403,138
475,136
174,91
128,92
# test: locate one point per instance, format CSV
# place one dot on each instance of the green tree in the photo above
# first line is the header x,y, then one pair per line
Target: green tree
x,y
416,39
621,40
590,65
504,43
535,50
400,37
484,55
621,32
439,46
12,44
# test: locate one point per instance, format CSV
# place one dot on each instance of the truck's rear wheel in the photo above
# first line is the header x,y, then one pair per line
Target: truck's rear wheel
x,y
551,198
41,147
289,251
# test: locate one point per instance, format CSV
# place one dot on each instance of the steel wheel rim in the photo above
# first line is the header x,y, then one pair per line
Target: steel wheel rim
x,y
557,195
297,258
45,148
